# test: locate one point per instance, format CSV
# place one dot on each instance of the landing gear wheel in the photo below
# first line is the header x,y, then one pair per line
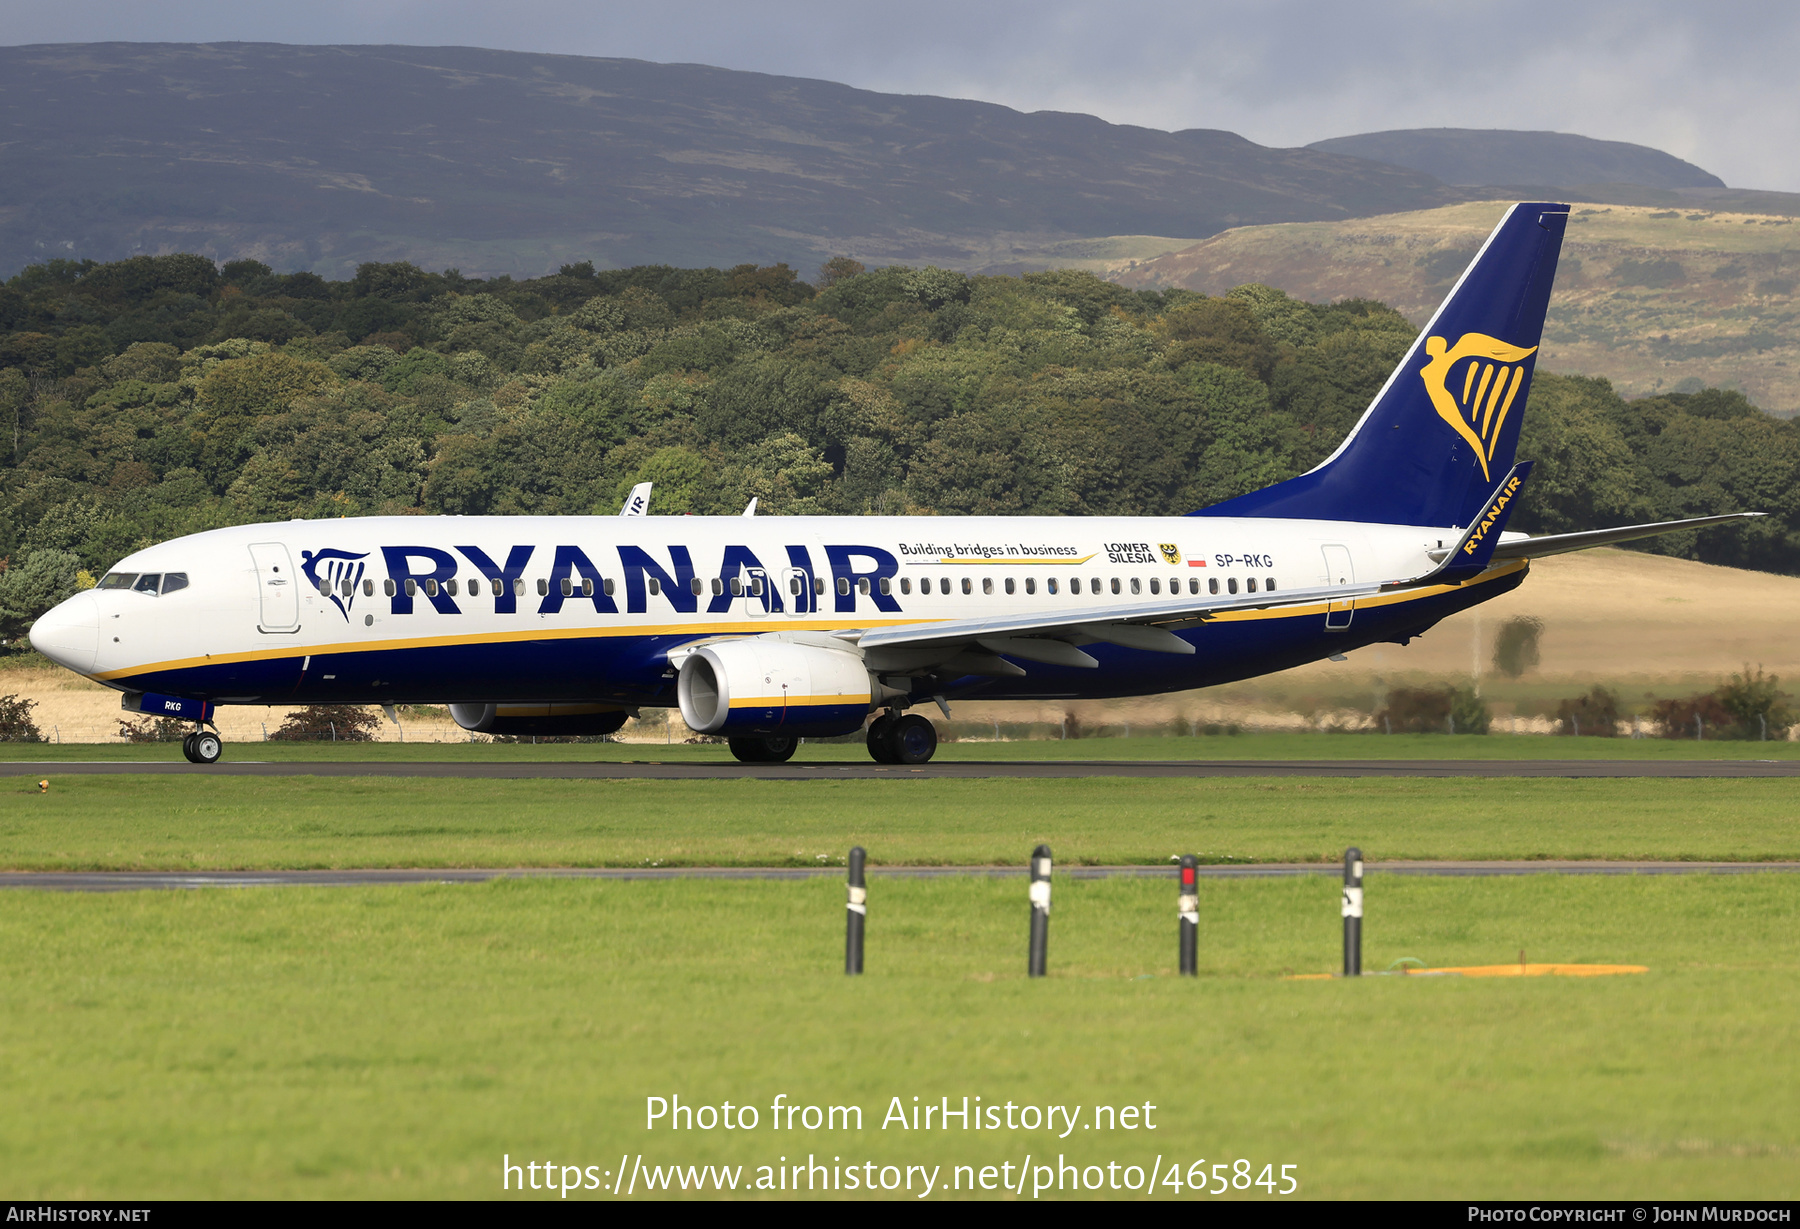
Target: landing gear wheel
x,y
763,748
203,747
881,740
187,748
914,739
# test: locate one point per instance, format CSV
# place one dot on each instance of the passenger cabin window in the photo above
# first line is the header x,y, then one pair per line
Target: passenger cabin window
x,y
718,586
1115,584
1269,584
1050,584
987,584
1031,584
387,587
497,587
1250,584
412,587
1094,585
450,586
818,586
1231,585
1137,586
1074,584
944,585
1212,584
843,586
568,587
173,581
925,585
1174,585
794,586
756,586
886,586
737,587
1193,584
654,585
118,580
368,588
1009,584
862,586
346,587
967,587
1155,585
543,587
606,587
905,584
431,588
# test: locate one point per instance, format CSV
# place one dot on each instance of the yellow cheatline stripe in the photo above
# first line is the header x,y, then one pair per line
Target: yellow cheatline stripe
x,y
794,701
772,622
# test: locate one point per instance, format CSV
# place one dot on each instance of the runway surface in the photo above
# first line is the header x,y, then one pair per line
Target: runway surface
x,y
831,770
127,881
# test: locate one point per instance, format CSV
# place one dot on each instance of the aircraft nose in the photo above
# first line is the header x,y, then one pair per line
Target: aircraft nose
x,y
69,634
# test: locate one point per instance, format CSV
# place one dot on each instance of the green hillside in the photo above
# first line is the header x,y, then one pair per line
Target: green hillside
x,y
160,396
1655,299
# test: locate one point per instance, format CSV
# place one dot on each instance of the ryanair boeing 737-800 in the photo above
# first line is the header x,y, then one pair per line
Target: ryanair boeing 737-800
x,y
770,629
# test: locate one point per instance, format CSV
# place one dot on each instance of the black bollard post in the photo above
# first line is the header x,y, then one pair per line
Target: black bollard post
x,y
858,913
1040,909
1188,906
1353,912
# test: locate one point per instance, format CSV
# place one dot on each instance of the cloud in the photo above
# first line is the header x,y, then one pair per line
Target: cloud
x,y
1713,84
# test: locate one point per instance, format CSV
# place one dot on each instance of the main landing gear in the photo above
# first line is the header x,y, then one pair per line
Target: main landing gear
x,y
763,748
203,747
895,739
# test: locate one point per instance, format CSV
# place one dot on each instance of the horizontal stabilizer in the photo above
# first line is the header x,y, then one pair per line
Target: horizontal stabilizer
x,y
1564,543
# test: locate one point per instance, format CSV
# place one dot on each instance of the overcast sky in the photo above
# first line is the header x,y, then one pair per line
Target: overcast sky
x,y
1716,83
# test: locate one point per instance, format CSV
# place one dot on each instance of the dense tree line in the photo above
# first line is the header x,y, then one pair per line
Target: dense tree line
x,y
161,395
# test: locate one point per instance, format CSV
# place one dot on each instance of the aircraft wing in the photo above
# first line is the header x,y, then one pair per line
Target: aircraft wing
x,y
1055,637
1563,543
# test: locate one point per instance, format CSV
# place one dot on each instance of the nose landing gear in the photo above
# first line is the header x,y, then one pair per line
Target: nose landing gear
x,y
203,747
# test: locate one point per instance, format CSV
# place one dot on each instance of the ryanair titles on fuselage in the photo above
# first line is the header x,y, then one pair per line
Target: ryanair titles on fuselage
x,y
622,578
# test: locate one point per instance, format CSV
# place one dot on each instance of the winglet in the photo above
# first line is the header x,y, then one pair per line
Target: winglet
x,y
1474,551
638,502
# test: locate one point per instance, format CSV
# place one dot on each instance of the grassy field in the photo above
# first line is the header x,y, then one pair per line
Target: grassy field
x,y
398,1042
190,822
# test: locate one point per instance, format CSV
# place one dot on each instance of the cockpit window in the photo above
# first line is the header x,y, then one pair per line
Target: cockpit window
x,y
173,581
148,583
118,580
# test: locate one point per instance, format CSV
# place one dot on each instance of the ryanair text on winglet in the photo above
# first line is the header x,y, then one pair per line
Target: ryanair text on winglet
x,y
1495,507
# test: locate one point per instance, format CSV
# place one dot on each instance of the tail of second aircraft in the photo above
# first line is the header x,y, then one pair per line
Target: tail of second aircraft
x,y
1443,430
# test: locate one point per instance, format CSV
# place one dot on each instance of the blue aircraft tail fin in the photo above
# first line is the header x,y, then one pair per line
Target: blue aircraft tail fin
x,y
1445,426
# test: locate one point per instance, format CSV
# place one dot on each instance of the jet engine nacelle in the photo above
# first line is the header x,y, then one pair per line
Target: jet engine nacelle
x,y
758,686
543,720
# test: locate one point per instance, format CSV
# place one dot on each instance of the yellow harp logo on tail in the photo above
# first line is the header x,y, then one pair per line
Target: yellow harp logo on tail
x,y
1476,399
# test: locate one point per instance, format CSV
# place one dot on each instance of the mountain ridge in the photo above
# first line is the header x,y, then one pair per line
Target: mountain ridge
x,y
511,162
1478,157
